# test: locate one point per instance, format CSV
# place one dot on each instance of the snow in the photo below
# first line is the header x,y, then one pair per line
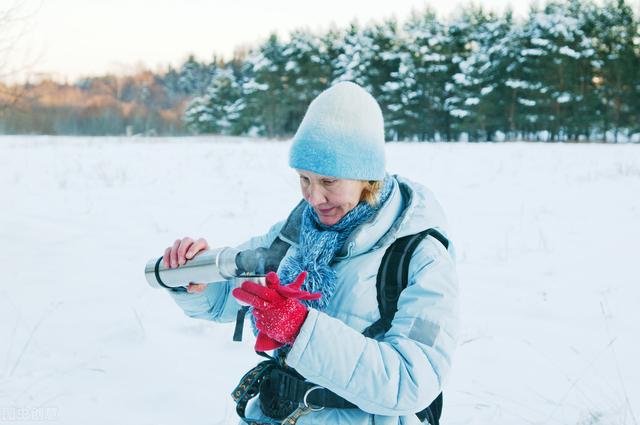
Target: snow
x,y
436,68
392,86
290,66
568,51
546,236
526,102
459,113
516,84
540,41
461,79
432,57
532,52
558,23
486,90
253,85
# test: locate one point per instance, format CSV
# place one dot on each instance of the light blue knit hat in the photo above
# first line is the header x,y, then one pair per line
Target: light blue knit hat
x,y
341,135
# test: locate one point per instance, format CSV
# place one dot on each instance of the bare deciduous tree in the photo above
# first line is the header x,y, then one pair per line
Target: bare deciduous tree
x,y
15,20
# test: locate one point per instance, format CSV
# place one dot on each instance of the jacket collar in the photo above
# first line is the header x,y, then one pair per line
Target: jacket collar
x,y
410,208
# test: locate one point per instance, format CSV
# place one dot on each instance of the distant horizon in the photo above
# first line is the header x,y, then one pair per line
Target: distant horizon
x,y
54,51
117,43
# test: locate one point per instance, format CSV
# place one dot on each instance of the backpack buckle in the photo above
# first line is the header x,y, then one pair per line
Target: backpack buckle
x,y
306,403
304,409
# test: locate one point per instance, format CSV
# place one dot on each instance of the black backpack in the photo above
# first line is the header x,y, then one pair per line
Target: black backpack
x,y
392,278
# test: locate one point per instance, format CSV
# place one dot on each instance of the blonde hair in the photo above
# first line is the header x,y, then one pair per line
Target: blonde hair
x,y
371,192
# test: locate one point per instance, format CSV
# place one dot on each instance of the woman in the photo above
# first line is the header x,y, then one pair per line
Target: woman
x,y
351,213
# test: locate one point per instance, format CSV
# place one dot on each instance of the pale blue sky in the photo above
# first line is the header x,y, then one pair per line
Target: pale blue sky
x,y
70,38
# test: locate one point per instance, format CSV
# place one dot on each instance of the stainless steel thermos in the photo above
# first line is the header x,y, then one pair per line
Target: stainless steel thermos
x,y
205,267
217,264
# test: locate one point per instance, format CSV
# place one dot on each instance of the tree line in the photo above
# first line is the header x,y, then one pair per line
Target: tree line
x,y
144,103
568,71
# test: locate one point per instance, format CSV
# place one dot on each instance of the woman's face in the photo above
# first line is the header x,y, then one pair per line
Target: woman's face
x,y
331,198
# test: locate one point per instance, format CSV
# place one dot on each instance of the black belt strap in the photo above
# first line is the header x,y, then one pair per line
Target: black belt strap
x,y
288,387
249,387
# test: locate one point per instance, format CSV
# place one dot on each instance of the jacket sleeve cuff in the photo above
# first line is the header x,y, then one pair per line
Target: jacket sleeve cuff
x,y
300,344
214,303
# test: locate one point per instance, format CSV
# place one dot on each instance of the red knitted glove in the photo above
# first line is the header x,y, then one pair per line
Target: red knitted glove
x,y
279,313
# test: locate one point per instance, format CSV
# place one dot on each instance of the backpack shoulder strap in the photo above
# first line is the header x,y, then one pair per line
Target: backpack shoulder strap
x,y
393,277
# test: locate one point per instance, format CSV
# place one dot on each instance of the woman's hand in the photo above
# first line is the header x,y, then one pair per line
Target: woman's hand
x,y
182,250
277,308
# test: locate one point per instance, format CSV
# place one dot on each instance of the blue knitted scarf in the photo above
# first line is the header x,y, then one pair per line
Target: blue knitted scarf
x,y
319,244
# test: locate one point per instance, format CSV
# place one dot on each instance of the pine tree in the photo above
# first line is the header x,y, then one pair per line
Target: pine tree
x,y
618,70
194,77
306,73
555,48
265,86
354,51
435,52
220,109
475,84
383,64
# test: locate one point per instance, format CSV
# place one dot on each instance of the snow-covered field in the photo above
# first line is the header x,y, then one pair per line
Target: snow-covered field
x,y
548,239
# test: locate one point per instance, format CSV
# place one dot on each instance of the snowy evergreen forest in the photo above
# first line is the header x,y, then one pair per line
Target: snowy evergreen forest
x,y
570,71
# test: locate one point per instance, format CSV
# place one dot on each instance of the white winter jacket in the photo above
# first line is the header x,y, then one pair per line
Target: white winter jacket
x,y
388,379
